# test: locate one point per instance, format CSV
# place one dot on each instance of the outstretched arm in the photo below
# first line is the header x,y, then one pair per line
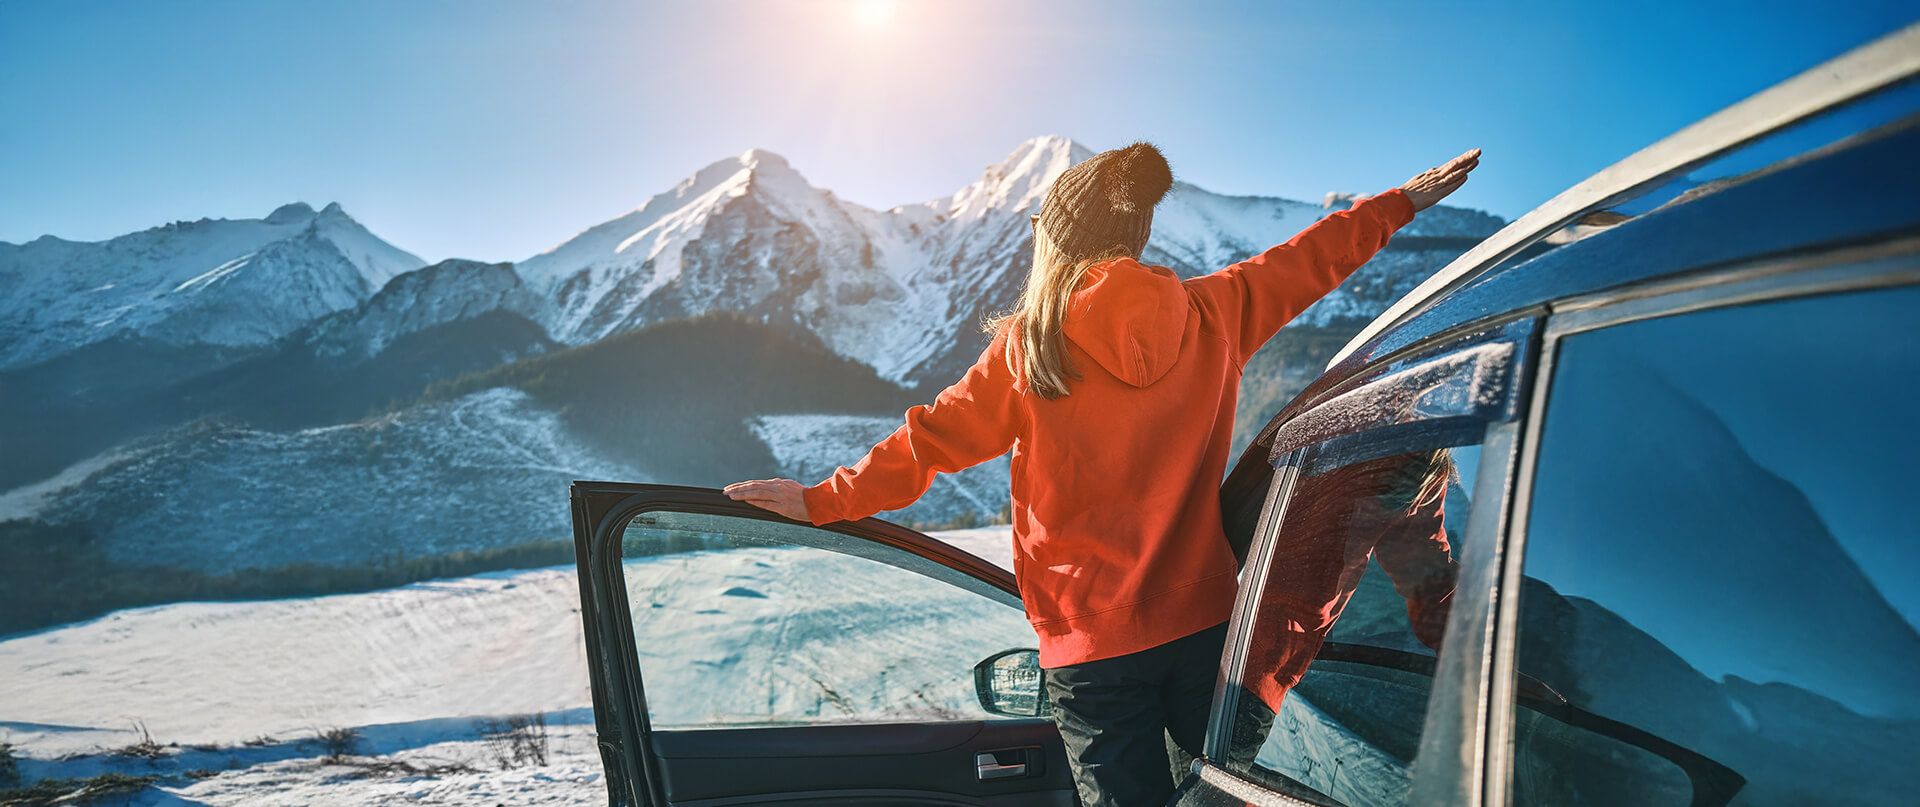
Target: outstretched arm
x,y
1259,295
969,423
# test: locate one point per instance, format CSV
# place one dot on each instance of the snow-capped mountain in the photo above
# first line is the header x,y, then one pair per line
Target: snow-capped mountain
x,y
747,234
212,282
904,289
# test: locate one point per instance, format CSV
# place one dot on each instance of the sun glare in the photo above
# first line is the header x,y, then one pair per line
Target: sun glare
x,y
873,13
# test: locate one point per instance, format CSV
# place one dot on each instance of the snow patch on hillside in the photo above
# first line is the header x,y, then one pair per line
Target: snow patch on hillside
x,y
29,501
486,470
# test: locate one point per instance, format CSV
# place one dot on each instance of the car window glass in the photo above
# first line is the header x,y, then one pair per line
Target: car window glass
x,y
748,622
1341,647
1722,567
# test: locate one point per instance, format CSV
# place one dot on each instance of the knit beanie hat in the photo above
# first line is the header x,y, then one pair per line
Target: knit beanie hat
x,y
1106,202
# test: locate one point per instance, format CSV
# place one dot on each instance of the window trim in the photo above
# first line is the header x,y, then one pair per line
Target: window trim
x,y
1253,579
1492,496
882,534
1853,268
1889,263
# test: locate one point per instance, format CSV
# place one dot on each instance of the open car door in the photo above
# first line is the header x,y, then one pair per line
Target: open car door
x,y
738,657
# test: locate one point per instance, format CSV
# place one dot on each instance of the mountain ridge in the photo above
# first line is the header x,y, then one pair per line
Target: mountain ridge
x,y
899,289
214,282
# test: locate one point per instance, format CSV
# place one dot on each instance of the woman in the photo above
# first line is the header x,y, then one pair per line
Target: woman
x,y
1113,383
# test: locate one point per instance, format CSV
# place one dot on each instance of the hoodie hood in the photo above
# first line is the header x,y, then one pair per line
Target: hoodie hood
x,y
1130,317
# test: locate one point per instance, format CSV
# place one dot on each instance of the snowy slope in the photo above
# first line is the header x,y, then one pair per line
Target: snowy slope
x,y
484,471
424,326
903,289
220,282
413,668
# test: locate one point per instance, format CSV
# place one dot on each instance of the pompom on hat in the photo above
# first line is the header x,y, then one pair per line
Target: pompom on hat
x,y
1105,204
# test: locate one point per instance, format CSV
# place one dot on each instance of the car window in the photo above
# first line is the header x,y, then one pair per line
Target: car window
x,y
747,622
1341,650
1721,559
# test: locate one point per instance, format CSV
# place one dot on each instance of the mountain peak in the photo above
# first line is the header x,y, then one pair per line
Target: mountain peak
x,y
1052,145
756,157
333,209
290,213
1019,181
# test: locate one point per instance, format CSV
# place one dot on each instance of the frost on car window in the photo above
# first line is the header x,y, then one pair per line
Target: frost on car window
x,y
1472,382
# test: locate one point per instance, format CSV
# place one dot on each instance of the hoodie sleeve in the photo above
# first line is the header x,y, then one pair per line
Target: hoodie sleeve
x,y
1415,554
968,423
1258,295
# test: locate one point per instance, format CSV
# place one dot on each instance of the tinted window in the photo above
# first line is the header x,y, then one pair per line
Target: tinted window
x,y
1341,651
1722,563
740,621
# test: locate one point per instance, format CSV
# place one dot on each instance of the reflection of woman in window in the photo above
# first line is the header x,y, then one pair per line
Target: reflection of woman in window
x,y
1391,509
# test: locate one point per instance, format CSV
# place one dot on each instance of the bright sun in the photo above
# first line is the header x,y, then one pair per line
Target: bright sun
x,y
873,13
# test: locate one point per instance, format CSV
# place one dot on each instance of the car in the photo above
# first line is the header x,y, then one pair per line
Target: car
x,y
1612,510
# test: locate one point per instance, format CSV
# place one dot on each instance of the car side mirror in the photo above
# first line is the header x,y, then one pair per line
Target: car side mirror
x,y
1008,683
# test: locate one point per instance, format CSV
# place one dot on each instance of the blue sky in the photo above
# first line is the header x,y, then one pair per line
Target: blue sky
x,y
493,130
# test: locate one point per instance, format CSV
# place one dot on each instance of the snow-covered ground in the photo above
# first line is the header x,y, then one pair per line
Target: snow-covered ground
x,y
236,692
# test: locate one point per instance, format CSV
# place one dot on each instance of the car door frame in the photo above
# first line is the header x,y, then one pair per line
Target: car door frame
x,y
601,511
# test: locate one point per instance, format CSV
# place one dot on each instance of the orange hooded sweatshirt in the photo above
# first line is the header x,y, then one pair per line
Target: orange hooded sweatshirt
x,y
1118,544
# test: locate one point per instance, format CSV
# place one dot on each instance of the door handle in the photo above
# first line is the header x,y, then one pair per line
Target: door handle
x,y
1005,764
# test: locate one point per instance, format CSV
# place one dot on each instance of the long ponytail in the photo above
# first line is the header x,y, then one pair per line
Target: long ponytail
x,y
1037,345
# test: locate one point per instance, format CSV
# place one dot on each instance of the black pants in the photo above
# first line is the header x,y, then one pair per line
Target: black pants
x,y
1115,714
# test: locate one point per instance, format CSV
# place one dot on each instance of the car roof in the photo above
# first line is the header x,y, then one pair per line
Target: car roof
x,y
1758,177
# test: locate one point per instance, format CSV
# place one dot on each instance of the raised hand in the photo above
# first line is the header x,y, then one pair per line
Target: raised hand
x,y
1430,186
779,495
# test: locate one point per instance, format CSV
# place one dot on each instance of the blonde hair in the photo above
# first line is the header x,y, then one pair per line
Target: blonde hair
x,y
1036,344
